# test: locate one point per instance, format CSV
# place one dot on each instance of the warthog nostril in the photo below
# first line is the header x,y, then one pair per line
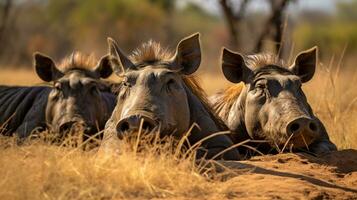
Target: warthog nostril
x,y
66,126
294,127
148,125
303,131
123,126
90,129
303,124
133,123
313,126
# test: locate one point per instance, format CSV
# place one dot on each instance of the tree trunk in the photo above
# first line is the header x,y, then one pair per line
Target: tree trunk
x,y
276,22
230,19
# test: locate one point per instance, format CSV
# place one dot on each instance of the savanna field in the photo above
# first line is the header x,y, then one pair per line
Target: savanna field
x,y
146,167
41,170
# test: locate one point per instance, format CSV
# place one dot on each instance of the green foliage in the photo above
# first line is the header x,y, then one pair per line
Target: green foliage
x,y
193,19
347,10
331,34
92,20
57,27
329,37
167,5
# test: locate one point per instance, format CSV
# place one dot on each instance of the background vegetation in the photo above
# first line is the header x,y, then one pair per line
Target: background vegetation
x,y
59,27
38,170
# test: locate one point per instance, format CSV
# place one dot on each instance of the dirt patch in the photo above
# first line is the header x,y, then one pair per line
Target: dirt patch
x,y
296,176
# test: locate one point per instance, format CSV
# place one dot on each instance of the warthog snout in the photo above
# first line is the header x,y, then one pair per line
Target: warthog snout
x,y
132,123
77,125
303,128
66,126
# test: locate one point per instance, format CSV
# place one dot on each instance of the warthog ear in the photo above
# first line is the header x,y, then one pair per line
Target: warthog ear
x,y
188,54
104,67
45,67
120,62
305,64
234,67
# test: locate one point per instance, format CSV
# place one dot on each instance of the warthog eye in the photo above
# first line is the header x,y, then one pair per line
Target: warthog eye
x,y
298,83
93,89
260,86
58,86
126,84
171,84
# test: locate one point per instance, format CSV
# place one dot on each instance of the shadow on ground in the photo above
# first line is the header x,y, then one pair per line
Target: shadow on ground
x,y
333,174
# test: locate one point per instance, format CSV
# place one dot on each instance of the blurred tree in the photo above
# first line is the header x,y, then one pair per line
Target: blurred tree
x,y
192,18
167,5
93,20
5,8
347,10
274,26
234,19
57,27
332,32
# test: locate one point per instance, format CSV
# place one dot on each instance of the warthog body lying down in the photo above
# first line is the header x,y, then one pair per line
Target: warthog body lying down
x,y
269,104
76,95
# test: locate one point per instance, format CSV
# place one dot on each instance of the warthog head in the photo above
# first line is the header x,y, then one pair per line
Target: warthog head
x,y
272,105
153,88
75,97
158,95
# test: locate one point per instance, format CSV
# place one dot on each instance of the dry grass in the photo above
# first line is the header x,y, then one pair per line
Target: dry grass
x,y
333,96
10,76
145,169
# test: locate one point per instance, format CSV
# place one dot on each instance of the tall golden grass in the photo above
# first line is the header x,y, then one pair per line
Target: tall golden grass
x,y
333,96
142,166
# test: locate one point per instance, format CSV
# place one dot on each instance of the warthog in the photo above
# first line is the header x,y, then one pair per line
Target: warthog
x,y
157,88
270,104
76,95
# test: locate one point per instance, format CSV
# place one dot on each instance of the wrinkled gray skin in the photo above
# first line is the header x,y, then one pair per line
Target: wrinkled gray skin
x,y
77,96
156,93
272,105
22,109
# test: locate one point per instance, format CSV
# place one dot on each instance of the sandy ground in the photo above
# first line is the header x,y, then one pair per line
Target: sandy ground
x,y
295,176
